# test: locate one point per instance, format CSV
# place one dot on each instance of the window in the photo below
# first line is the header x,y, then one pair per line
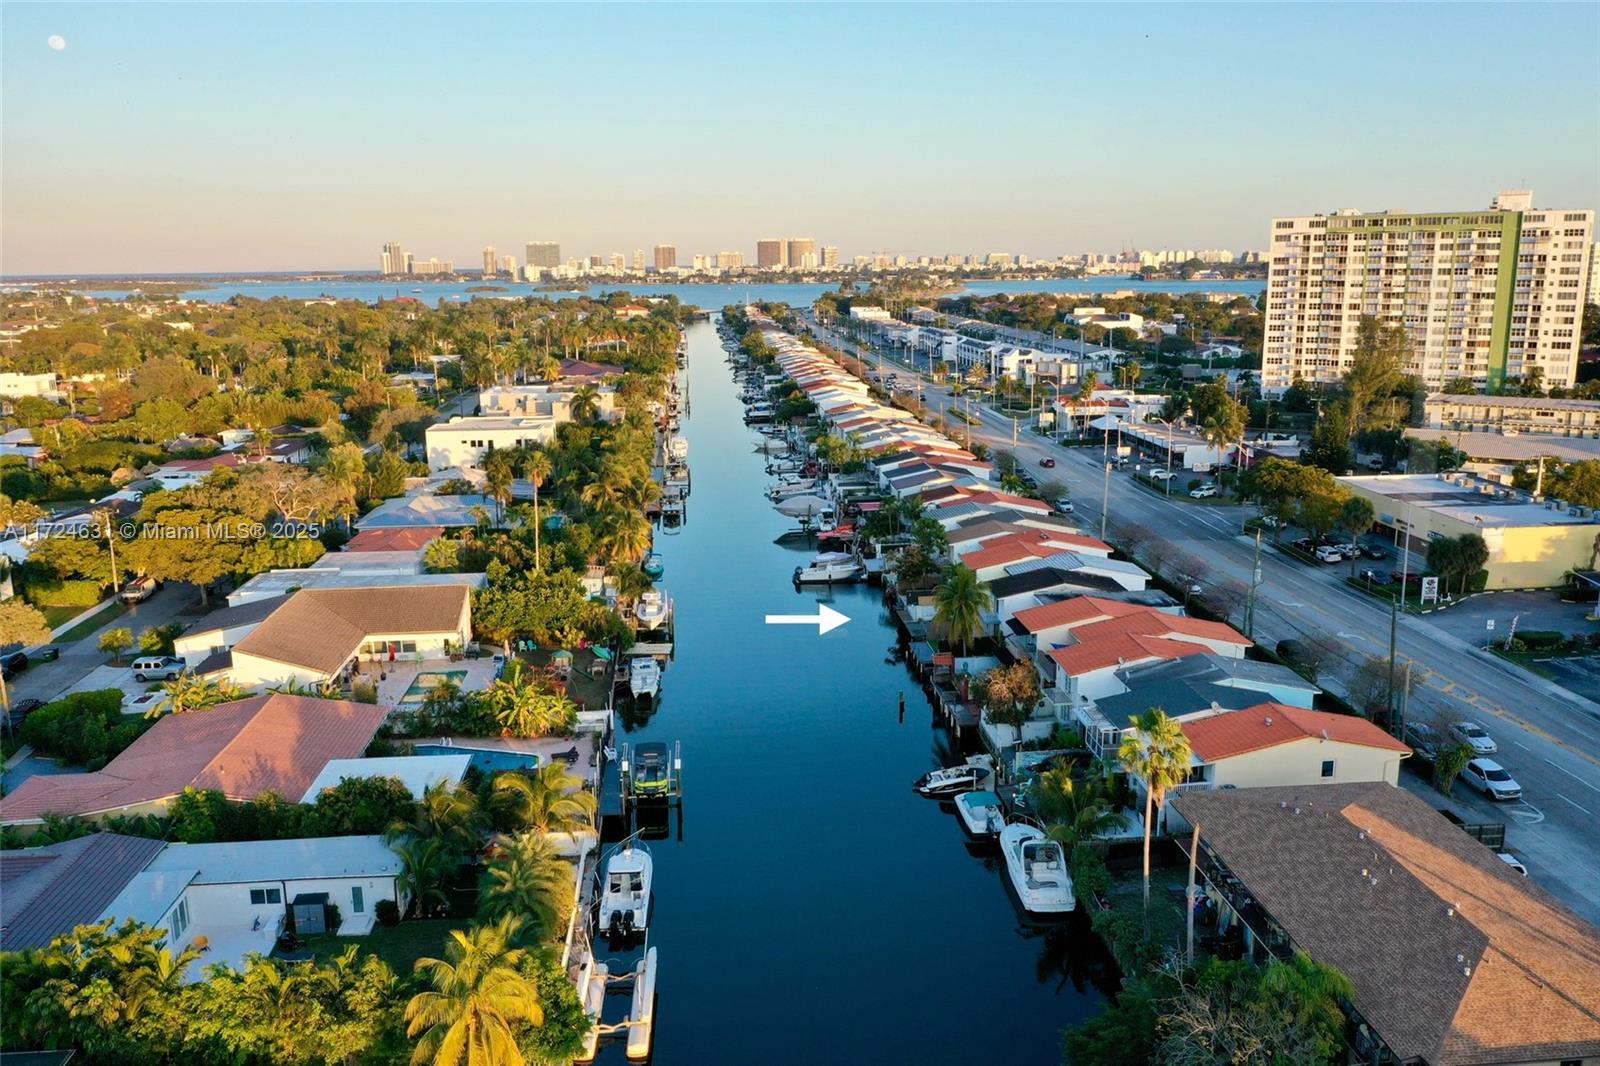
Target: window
x,y
259,896
180,918
358,900
1327,767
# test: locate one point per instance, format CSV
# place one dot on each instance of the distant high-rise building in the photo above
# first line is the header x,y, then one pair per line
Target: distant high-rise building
x,y
730,260
508,264
543,255
489,262
619,262
666,257
799,248
1594,274
1483,295
772,253
638,259
596,261
431,266
394,259
830,256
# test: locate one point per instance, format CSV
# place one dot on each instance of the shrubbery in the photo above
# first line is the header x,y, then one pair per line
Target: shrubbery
x,y
84,728
63,593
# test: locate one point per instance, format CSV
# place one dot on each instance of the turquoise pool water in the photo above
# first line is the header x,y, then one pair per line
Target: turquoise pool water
x,y
483,759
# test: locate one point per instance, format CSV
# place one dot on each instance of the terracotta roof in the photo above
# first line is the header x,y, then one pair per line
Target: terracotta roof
x,y
241,749
1078,609
402,539
1118,648
45,892
1032,543
320,629
1266,725
1370,879
583,368
1150,622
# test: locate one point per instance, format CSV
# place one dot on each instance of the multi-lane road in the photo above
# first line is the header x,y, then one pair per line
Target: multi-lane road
x,y
1549,738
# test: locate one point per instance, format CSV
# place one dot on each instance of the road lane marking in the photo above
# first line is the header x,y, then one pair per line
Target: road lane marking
x,y
1521,745
1575,777
1580,806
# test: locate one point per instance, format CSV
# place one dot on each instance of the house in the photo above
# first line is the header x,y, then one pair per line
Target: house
x,y
214,636
316,635
417,772
450,512
273,742
178,474
1199,682
235,898
584,370
48,891
336,570
400,549
1456,959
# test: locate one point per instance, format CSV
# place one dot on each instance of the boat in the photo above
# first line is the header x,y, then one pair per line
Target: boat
x,y
977,772
644,677
829,568
784,490
803,507
980,812
625,891
678,449
1038,869
653,566
772,445
651,610
758,412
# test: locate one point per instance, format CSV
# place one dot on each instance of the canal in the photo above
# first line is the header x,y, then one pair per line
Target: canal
x,y
814,908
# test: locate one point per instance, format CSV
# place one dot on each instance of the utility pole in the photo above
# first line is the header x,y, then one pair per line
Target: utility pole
x,y
1105,502
111,542
1394,630
1255,583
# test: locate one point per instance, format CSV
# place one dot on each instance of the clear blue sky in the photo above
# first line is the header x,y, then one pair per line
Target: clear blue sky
x,y
281,136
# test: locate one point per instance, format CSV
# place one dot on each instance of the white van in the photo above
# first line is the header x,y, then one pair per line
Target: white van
x,y
138,590
156,668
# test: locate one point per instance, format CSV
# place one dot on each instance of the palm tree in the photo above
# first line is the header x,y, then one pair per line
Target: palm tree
x,y
958,605
424,864
552,800
1157,750
498,474
529,879
479,996
447,814
586,404
625,535
1073,809
186,692
522,710
536,468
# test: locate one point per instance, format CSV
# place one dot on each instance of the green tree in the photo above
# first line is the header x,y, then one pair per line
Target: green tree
x,y
958,606
424,866
1356,516
478,1000
1010,693
529,879
445,813
1448,764
499,472
1157,751
186,693
19,624
116,641
1376,366
549,800
536,468
1577,483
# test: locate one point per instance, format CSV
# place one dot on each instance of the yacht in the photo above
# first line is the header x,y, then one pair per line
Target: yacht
x,y
977,772
1038,869
644,677
625,891
651,610
980,812
829,568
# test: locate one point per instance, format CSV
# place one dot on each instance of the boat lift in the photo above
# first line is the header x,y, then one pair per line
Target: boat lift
x,y
639,1024
651,774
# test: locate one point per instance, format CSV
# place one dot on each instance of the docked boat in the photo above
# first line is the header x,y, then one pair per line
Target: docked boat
x,y
803,507
1037,866
758,412
651,610
678,449
772,445
644,677
653,566
977,772
784,490
625,891
829,568
980,812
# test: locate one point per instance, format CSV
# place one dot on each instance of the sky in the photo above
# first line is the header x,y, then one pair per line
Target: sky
x,y
172,138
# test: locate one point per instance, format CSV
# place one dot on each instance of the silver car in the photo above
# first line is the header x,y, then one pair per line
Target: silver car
x,y
1473,733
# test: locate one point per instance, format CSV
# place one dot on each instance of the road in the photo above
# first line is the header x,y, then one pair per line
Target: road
x,y
1549,737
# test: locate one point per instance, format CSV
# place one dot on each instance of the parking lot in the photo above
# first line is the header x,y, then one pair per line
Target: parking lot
x,y
1469,619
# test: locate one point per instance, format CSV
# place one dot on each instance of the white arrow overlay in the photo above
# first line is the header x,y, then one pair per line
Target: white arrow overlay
x,y
826,619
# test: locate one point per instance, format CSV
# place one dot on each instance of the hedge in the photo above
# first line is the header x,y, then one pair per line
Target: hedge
x,y
75,593
84,728
1541,639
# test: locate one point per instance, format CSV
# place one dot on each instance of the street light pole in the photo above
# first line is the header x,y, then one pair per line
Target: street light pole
x,y
1105,502
1255,583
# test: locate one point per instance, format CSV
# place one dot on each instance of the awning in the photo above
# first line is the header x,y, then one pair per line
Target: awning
x,y
1106,422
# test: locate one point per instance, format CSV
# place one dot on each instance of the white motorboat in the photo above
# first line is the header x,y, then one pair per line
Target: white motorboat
x,y
644,677
1038,869
758,412
980,812
803,506
651,610
592,988
977,772
642,1016
625,891
678,449
783,490
829,568
772,445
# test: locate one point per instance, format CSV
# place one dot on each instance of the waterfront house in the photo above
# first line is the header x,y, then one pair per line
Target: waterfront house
x,y
449,512
417,773
1456,959
334,571
46,892
273,742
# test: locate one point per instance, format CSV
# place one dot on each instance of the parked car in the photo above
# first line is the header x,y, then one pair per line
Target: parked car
x,y
21,709
1424,740
13,664
1203,492
156,668
1490,778
1327,553
1162,475
1047,461
47,654
1271,521
138,590
1513,862
1305,544
1473,733
1369,574
1372,551
1064,505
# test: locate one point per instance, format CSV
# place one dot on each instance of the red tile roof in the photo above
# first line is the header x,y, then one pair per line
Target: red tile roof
x,y
1267,725
1035,544
394,540
1119,648
1151,622
241,749
1078,609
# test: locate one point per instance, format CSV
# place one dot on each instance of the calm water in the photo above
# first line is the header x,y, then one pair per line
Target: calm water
x,y
816,909
708,296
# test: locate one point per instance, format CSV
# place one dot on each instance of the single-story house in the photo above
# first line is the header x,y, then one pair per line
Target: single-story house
x,y
48,891
220,630
417,772
453,512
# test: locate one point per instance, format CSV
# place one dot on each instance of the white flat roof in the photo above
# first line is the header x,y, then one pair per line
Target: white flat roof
x,y
277,860
416,772
150,894
1463,502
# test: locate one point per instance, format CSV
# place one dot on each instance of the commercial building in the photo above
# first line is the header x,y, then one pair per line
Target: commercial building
x,y
1483,295
1533,542
772,253
1512,414
1456,958
666,257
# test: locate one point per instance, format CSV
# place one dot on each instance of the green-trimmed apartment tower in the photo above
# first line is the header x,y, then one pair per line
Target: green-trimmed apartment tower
x,y
1484,295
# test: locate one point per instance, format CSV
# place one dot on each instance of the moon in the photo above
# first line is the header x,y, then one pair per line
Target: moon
x,y
57,42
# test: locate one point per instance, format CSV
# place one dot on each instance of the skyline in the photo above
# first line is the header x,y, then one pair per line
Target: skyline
x,y
191,139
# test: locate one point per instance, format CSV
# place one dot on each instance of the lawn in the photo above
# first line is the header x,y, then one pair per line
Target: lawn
x,y
89,625
400,946
55,615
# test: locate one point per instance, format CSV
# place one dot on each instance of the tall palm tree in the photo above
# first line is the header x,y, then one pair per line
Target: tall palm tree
x,y
1157,750
536,468
958,605
424,864
625,535
529,879
552,800
447,814
479,997
586,404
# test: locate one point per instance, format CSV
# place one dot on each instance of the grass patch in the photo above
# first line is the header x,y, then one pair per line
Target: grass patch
x,y
1527,662
89,625
400,946
59,614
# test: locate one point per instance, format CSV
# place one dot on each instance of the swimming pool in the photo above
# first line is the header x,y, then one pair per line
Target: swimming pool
x,y
485,760
418,690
